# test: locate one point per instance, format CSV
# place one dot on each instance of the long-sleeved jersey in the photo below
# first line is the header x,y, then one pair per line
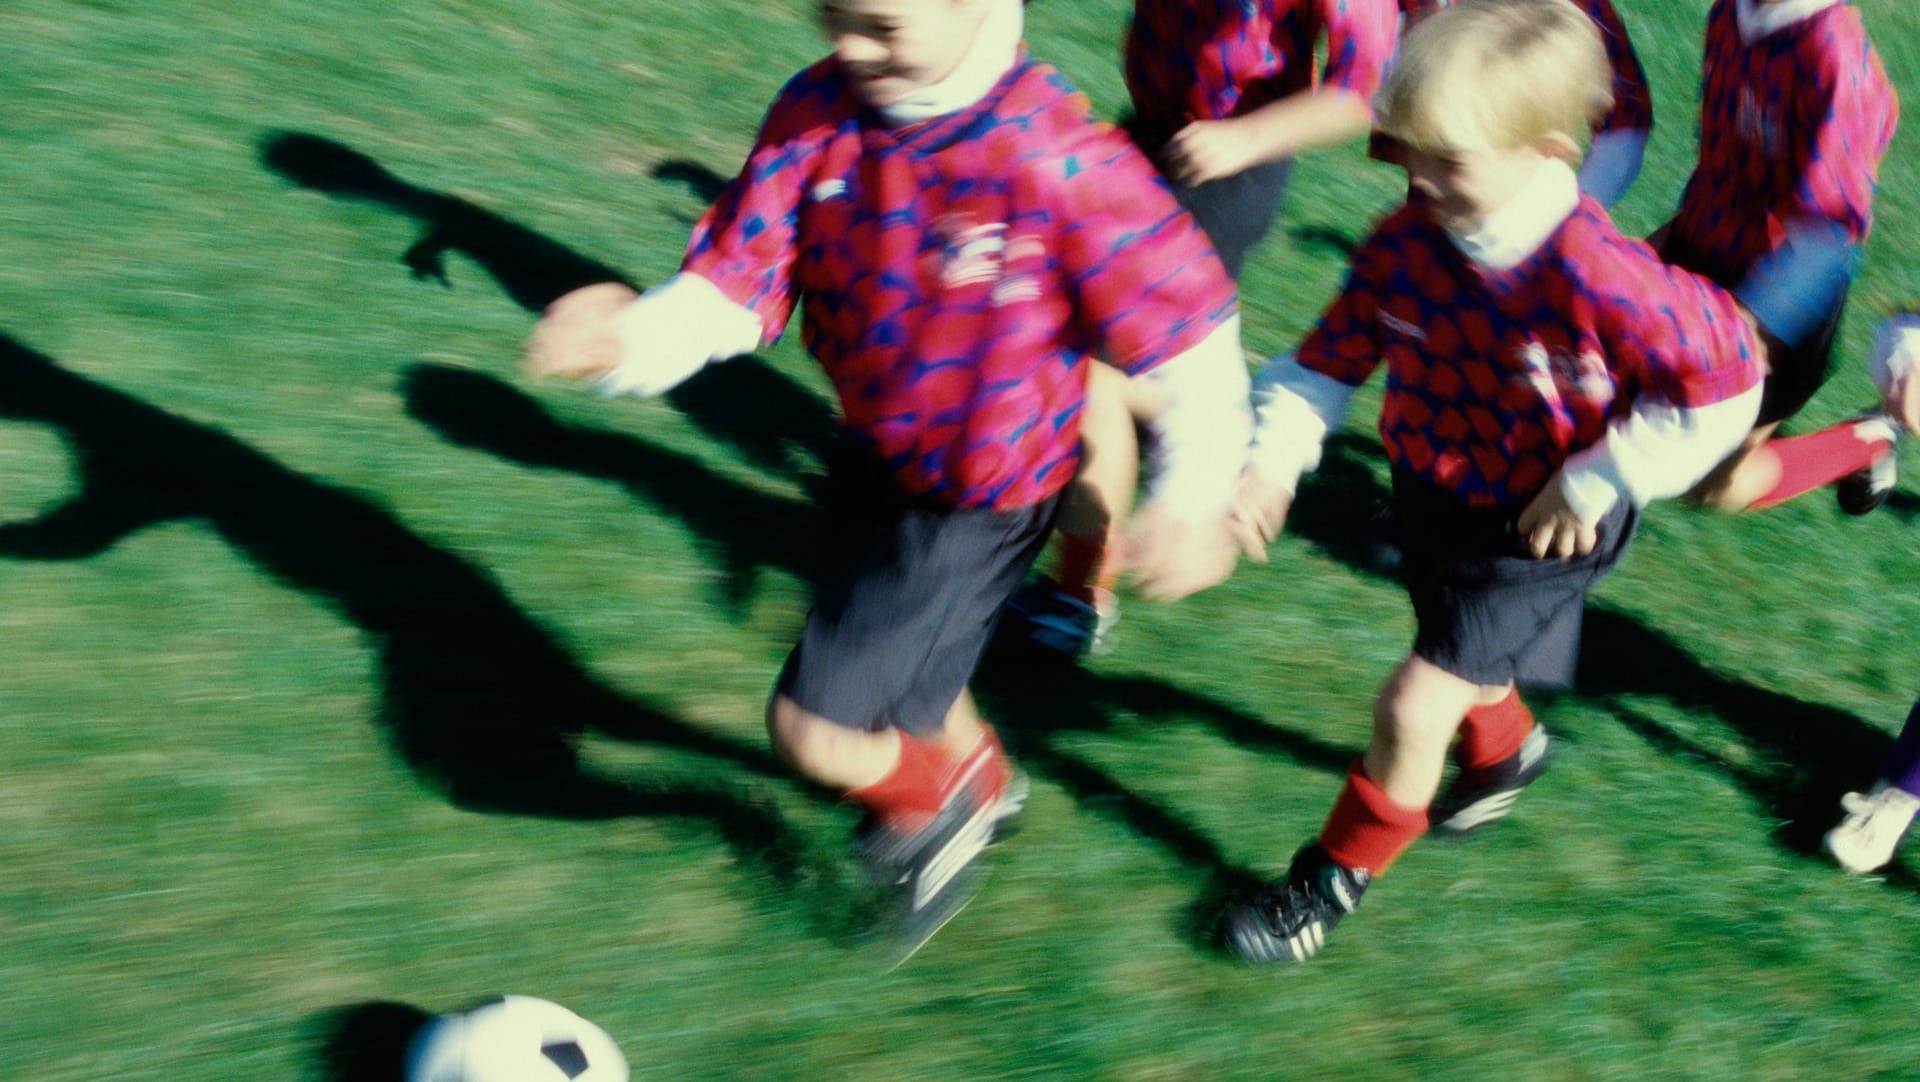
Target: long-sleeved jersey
x,y
1793,124
1211,59
1496,377
956,275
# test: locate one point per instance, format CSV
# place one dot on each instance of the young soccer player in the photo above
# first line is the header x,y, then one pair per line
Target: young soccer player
x,y
1876,820
1619,141
1546,377
1796,112
962,239
1224,94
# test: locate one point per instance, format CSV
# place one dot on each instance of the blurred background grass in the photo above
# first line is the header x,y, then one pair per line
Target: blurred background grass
x,y
343,667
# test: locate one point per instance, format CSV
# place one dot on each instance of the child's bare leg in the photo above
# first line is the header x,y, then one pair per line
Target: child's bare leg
x,y
1752,471
964,728
1096,504
1414,719
827,753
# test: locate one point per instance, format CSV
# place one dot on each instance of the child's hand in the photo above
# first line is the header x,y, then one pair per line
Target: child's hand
x,y
1549,526
1208,150
574,338
1173,556
1259,511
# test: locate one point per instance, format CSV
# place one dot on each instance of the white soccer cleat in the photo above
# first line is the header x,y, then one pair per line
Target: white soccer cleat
x,y
1875,822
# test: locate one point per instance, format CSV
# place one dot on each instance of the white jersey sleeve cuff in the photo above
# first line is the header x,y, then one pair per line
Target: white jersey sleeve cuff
x,y
1657,450
1198,436
1294,409
674,329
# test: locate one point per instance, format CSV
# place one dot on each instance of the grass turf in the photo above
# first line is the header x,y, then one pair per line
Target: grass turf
x,y
349,676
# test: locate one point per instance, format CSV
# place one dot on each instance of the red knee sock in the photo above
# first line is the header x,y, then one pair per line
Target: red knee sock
x,y
1087,564
926,774
1490,734
1367,828
1818,459
913,787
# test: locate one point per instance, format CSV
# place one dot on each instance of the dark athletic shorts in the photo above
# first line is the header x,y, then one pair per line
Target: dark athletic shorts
x,y
907,602
1794,373
1485,609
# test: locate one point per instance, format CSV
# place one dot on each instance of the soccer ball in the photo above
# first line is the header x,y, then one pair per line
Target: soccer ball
x,y
514,1039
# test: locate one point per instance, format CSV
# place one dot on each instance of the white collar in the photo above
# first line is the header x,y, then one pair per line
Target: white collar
x,y
995,48
1515,231
1756,21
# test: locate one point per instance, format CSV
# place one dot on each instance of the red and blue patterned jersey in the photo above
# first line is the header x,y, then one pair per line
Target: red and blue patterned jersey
x,y
956,276
1211,59
1792,128
1495,377
1632,98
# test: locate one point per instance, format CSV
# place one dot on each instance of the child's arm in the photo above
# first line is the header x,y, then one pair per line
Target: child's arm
x,y
1360,36
1197,442
1620,143
1207,150
735,288
1656,450
1294,409
1678,344
642,344
1298,398
1895,364
1139,271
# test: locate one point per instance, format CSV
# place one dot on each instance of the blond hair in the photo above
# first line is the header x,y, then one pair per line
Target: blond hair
x,y
1496,75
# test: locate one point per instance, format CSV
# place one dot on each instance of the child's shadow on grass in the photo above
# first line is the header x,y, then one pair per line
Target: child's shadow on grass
x,y
753,531
1808,753
476,698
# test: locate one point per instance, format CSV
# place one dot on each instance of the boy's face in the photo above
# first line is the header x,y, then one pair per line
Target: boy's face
x,y
892,48
1467,186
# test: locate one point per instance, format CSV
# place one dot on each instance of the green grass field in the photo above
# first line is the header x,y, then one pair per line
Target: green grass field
x,y
348,675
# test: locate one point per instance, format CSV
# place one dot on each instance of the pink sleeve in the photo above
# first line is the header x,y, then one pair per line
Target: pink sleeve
x,y
1144,278
1673,332
1345,344
745,243
1361,38
1846,119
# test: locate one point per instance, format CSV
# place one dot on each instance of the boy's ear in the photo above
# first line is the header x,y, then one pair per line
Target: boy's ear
x,y
1560,145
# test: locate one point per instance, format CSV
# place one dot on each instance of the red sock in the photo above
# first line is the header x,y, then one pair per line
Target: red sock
x,y
1367,829
995,769
1818,459
1490,734
913,787
1087,563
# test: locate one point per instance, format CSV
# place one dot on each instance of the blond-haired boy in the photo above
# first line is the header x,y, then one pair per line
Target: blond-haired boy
x,y
1546,378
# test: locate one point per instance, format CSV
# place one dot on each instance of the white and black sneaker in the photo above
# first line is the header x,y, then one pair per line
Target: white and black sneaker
x,y
935,868
1289,919
1875,822
1042,618
1479,797
1861,491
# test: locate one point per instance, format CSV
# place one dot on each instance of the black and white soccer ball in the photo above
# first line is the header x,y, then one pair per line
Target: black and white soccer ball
x,y
514,1039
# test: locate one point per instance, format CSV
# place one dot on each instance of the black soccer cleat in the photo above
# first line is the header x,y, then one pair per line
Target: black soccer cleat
x,y
1041,619
935,868
1289,919
1861,491
1479,797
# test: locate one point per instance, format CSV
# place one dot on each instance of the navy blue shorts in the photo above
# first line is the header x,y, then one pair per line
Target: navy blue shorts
x,y
907,602
1485,609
